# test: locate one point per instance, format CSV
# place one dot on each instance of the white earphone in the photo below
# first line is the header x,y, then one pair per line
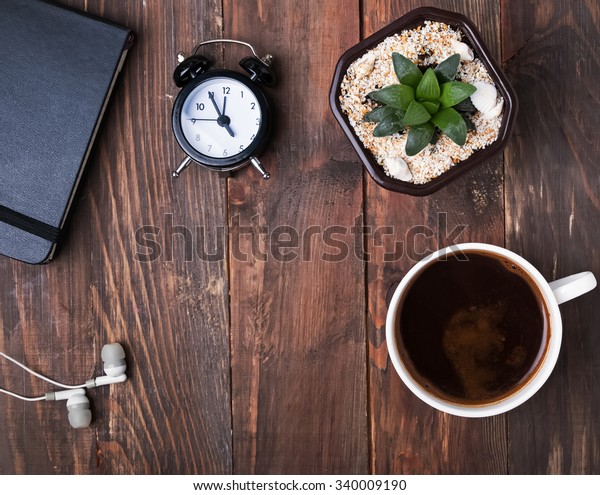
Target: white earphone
x,y
78,405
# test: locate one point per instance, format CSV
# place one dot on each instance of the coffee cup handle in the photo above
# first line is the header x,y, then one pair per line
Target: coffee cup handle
x,y
568,288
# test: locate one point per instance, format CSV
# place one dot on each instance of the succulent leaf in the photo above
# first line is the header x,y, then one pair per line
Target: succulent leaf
x,y
416,114
468,122
454,92
465,106
380,113
428,88
446,70
431,106
396,95
388,126
452,124
406,71
419,137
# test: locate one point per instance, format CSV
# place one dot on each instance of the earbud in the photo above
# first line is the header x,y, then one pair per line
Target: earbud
x,y
78,405
113,356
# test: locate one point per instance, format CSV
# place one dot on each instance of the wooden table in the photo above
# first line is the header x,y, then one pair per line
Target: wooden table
x,y
249,365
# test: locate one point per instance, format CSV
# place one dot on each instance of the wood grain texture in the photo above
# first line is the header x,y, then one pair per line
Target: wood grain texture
x,y
551,52
173,415
297,327
270,366
408,436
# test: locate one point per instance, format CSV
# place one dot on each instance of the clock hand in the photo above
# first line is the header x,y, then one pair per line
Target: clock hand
x,y
211,97
229,130
223,120
204,120
226,125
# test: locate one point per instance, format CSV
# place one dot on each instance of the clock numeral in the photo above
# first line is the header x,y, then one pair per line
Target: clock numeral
x,y
252,137
241,147
224,152
200,106
242,94
197,137
257,121
209,147
252,105
226,90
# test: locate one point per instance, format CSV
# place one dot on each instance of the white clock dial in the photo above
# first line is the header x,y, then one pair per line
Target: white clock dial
x,y
221,117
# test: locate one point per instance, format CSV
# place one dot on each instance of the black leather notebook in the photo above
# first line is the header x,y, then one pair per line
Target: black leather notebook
x,y
57,70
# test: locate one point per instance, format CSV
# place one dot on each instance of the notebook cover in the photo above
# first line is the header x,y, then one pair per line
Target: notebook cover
x,y
57,69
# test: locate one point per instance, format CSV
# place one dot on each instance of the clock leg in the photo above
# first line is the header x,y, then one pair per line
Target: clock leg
x,y
182,166
258,166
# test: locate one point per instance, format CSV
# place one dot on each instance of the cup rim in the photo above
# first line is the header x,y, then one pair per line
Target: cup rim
x,y
535,382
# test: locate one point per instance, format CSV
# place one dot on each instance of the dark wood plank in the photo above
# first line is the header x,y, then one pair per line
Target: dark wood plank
x,y
553,203
36,322
174,415
297,327
407,435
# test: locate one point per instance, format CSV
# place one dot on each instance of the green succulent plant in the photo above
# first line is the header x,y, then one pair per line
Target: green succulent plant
x,y
423,102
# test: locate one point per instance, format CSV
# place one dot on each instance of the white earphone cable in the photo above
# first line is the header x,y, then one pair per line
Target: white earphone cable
x,y
22,397
42,377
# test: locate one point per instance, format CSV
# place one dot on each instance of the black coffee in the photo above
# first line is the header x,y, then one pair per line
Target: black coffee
x,y
472,331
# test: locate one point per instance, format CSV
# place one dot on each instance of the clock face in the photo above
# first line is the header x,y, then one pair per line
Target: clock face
x,y
221,118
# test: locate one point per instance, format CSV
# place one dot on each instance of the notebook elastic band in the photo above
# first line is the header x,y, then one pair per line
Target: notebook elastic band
x,y
28,224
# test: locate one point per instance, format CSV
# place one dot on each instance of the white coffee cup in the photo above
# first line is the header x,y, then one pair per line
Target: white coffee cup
x,y
554,293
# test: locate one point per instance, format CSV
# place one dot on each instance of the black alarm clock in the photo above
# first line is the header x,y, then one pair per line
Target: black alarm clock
x,y
221,118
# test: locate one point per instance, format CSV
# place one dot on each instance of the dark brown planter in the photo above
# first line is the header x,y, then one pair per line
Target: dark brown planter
x,y
473,38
